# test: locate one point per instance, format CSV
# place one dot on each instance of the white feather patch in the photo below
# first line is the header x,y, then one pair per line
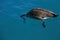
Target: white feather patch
x,y
45,17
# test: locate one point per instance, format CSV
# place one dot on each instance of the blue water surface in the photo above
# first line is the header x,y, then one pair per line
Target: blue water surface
x,y
13,28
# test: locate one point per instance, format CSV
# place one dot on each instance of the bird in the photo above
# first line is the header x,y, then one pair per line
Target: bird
x,y
39,14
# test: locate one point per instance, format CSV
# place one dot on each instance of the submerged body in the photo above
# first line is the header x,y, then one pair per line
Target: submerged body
x,y
39,14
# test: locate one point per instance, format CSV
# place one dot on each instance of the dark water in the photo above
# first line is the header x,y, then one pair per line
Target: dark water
x,y
13,28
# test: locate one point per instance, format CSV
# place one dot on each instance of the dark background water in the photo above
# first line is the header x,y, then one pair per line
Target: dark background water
x,y
13,28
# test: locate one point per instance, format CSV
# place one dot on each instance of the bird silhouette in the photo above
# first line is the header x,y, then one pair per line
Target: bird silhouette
x,y
39,14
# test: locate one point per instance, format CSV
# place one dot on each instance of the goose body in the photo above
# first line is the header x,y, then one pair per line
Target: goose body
x,y
39,14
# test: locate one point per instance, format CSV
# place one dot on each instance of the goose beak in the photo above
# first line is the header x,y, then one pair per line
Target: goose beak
x,y
55,15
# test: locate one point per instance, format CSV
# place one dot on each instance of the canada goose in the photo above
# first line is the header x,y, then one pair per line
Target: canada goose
x,y
39,14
